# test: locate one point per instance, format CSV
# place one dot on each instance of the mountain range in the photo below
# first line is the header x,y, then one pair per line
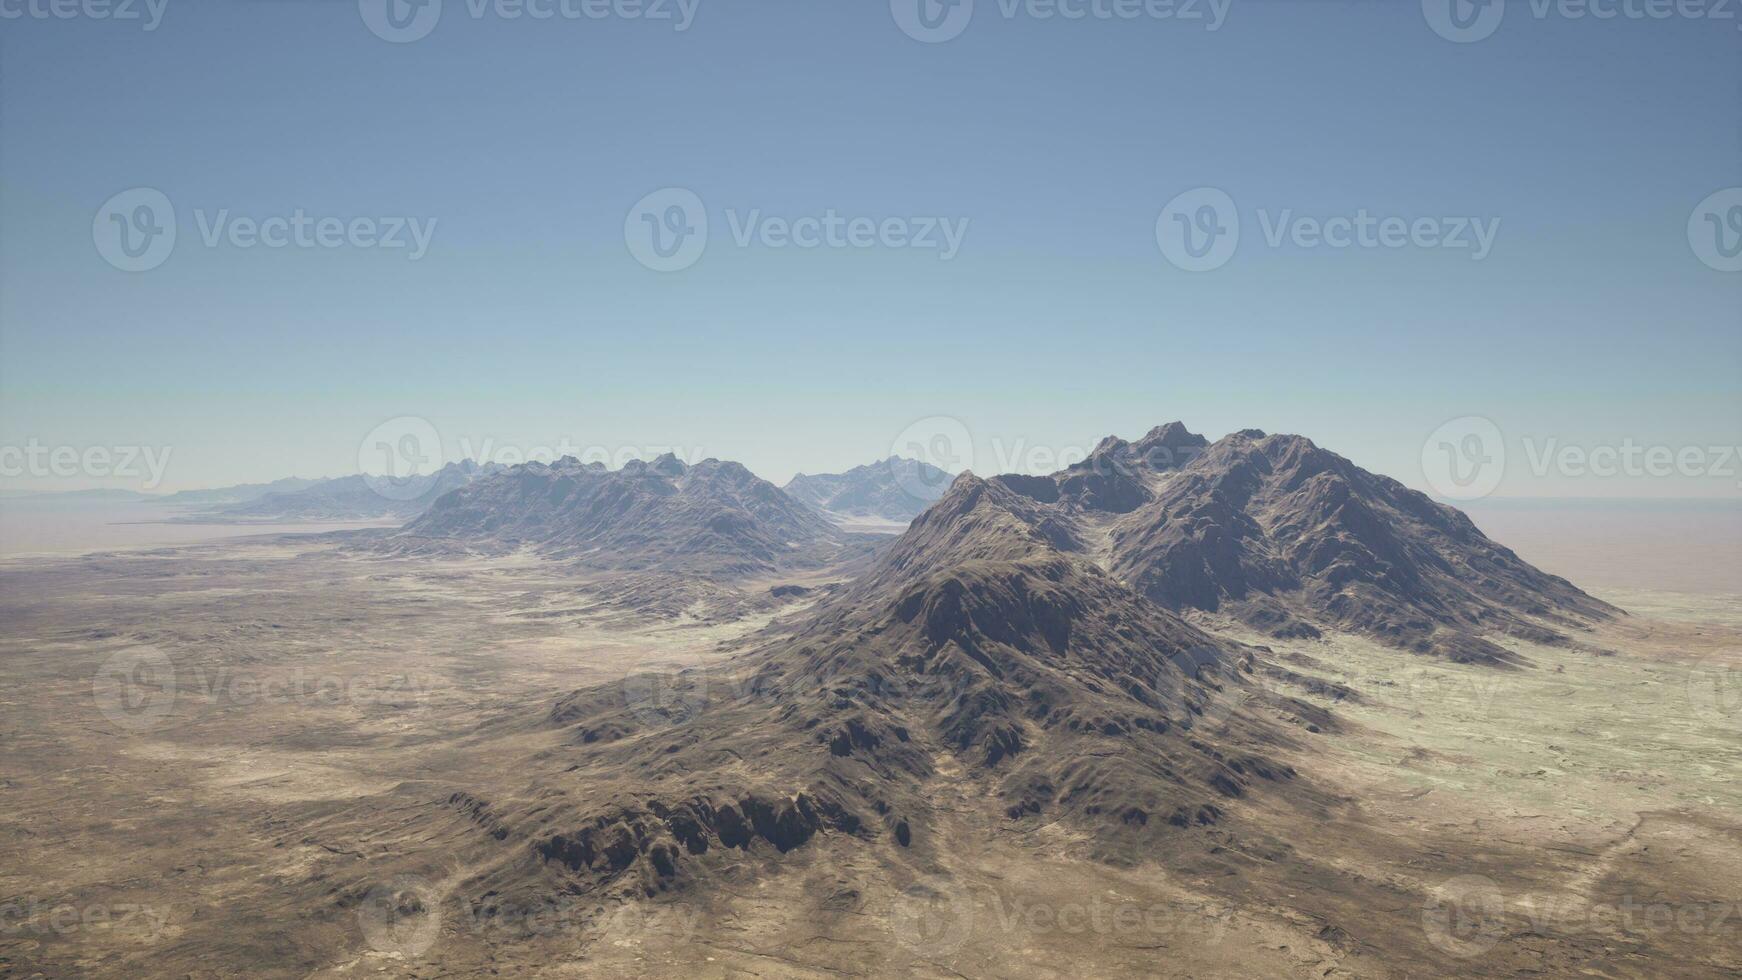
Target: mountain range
x,y
711,518
1269,531
240,493
348,498
1024,650
977,659
893,490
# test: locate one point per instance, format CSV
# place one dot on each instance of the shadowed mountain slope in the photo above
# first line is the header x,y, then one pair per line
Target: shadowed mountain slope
x,y
1291,539
714,516
975,658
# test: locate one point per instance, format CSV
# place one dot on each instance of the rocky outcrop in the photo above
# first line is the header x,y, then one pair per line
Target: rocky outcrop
x,y
1292,538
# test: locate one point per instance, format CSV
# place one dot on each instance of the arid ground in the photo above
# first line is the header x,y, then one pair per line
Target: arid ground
x,y
221,759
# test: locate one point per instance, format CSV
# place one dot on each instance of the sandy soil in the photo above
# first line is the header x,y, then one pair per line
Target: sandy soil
x,y
204,752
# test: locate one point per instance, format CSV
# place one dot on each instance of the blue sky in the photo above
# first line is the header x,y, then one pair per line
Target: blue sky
x,y
529,323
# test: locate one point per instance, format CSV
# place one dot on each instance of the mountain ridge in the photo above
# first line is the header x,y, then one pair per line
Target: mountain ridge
x,y
894,489
1293,539
713,517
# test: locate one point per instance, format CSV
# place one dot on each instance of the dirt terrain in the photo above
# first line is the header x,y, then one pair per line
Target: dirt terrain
x,y
291,758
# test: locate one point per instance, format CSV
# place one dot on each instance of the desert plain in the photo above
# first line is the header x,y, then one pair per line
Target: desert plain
x,y
221,759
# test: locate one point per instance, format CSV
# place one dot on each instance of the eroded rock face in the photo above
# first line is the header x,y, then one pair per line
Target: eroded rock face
x,y
658,836
1270,529
1116,477
1292,539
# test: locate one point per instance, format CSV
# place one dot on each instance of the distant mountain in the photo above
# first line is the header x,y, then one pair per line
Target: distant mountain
x,y
712,517
360,497
240,493
1290,539
894,489
98,495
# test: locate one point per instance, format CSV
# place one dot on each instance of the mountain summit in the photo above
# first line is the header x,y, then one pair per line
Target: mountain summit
x,y
894,489
1290,539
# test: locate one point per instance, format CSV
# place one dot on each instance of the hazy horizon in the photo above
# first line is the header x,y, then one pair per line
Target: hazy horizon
x,y
1531,472
1567,303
